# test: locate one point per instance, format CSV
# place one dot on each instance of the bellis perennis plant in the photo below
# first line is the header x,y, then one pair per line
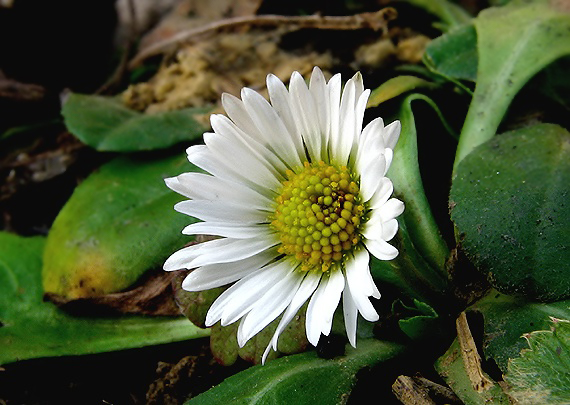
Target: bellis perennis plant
x,y
298,195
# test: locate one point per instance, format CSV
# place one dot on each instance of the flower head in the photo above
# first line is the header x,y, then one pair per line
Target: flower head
x,y
297,194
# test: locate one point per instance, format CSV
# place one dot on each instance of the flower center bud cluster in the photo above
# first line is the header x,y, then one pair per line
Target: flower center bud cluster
x,y
318,214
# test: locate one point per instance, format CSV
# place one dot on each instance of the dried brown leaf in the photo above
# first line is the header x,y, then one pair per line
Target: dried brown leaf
x,y
153,297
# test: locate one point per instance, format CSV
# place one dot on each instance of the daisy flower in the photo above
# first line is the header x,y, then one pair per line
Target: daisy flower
x,y
297,193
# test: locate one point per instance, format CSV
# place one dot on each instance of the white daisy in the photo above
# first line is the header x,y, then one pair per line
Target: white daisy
x,y
297,193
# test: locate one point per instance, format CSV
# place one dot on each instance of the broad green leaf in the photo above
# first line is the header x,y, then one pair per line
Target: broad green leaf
x,y
509,204
456,371
31,328
454,54
300,379
506,319
394,87
541,375
105,124
118,223
450,14
514,42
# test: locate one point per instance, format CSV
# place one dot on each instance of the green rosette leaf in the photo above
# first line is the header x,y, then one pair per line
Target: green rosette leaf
x,y
107,125
32,328
541,375
509,203
118,223
301,379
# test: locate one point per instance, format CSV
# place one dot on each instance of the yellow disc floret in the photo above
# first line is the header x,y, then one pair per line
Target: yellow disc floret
x,y
318,214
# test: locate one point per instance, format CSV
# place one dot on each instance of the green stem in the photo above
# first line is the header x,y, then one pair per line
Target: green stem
x,y
405,174
489,105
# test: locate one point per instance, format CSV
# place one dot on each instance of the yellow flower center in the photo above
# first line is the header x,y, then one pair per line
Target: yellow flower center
x,y
318,214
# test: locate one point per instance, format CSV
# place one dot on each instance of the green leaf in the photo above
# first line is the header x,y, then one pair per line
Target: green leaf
x,y
426,324
450,14
394,87
509,203
454,370
541,375
31,328
118,223
454,54
419,269
105,124
514,42
506,319
300,379
410,272
405,174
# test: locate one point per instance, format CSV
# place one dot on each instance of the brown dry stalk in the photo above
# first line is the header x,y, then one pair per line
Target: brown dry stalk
x,y
375,21
471,357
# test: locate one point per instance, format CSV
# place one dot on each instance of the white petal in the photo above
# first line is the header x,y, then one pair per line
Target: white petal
x,y
377,227
390,229
392,133
270,126
306,289
203,157
322,305
269,307
313,321
244,159
389,155
358,84
359,109
334,87
236,249
279,97
227,230
179,259
241,296
221,211
238,114
371,177
262,150
317,87
350,316
305,113
374,227
347,124
331,300
370,139
202,186
382,194
391,209
381,249
217,275
357,271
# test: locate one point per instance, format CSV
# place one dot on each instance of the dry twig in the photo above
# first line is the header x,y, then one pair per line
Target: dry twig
x,y
375,21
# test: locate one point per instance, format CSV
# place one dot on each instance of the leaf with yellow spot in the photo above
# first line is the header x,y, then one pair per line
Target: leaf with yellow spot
x,y
117,224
